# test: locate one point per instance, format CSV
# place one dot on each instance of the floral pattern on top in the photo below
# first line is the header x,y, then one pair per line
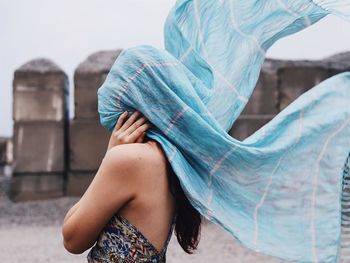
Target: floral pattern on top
x,y
121,241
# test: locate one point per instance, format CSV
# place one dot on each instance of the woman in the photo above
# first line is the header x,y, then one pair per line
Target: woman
x,y
132,204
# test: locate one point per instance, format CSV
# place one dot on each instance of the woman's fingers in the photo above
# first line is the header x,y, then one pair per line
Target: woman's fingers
x,y
130,121
135,125
132,130
138,132
141,138
120,121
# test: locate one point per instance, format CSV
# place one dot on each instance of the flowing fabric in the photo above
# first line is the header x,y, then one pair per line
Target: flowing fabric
x,y
279,191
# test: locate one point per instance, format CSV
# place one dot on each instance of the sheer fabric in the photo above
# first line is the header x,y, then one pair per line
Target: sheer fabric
x,y
279,191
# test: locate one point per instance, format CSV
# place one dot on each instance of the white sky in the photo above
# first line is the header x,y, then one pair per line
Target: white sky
x,y
67,31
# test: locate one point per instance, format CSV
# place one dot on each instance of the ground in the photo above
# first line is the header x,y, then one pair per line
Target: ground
x,y
31,232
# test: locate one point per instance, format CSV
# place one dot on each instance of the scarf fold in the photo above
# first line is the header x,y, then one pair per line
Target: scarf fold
x,y
279,191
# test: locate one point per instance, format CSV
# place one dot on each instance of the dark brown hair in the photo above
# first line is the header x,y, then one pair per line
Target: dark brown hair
x,y
188,219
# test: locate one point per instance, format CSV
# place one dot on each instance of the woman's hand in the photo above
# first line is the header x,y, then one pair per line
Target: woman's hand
x,y
131,131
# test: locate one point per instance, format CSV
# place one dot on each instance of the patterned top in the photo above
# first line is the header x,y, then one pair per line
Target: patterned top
x,y
121,241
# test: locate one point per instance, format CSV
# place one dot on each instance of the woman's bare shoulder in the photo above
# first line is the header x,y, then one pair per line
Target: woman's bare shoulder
x,y
141,156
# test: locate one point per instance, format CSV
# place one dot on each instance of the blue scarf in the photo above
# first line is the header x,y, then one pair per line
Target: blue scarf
x,y
279,191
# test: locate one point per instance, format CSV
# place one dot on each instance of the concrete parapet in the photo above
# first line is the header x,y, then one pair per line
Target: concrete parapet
x,y
296,77
264,99
53,157
338,63
340,58
39,147
246,125
78,182
88,143
40,92
38,186
88,77
88,140
3,151
40,113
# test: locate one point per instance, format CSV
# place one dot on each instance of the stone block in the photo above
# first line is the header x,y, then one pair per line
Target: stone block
x,y
340,58
338,63
3,151
88,77
78,182
40,92
39,147
88,143
246,125
264,99
35,187
297,77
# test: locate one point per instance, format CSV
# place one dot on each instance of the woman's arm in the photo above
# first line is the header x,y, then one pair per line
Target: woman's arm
x,y
71,211
113,186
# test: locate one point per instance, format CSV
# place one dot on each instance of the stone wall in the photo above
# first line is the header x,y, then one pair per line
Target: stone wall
x,y
55,156
281,82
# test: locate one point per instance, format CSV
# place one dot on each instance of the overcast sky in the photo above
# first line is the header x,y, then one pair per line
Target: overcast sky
x,y
67,31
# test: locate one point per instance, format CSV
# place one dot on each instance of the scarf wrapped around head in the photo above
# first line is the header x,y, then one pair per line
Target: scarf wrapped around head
x,y
278,191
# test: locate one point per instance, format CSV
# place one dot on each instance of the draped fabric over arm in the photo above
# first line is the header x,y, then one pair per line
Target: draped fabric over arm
x,y
278,191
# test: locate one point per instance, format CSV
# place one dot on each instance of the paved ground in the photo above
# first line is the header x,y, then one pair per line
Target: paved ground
x,y
30,232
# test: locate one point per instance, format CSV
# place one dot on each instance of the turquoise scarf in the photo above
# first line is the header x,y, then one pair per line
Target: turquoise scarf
x,y
279,191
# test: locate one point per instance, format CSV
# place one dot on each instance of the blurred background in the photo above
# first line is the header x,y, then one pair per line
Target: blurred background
x,y
53,57
68,31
